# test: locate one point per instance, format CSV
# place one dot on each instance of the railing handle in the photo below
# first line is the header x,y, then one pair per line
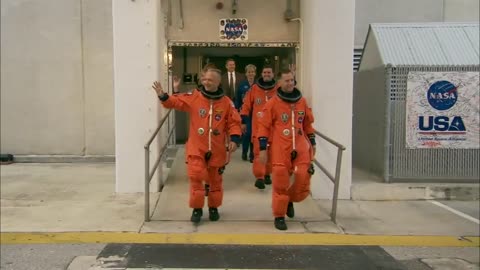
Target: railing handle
x,y
336,185
335,179
147,183
148,175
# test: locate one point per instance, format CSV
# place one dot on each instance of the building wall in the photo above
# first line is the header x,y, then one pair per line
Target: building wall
x,y
200,22
462,10
56,77
98,77
329,85
139,59
61,85
392,11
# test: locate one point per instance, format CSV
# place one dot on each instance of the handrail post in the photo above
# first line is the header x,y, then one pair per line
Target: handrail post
x,y
147,183
148,175
333,214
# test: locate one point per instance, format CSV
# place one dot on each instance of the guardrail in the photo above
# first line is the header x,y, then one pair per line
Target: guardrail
x,y
336,178
149,173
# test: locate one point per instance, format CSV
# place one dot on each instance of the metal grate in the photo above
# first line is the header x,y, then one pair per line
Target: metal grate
x,y
357,56
423,163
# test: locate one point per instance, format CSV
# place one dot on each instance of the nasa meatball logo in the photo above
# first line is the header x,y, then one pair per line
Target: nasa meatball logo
x,y
442,95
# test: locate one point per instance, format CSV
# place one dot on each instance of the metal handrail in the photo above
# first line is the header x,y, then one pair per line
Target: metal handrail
x,y
335,179
149,174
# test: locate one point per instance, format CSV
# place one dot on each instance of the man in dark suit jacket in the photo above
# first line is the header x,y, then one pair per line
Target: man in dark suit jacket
x,y
232,79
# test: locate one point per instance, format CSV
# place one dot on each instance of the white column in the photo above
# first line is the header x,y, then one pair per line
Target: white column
x,y
328,70
139,55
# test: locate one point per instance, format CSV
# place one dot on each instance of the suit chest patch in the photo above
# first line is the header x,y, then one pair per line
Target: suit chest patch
x,y
202,112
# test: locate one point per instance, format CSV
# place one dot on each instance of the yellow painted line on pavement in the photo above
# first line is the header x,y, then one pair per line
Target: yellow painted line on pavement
x,y
238,239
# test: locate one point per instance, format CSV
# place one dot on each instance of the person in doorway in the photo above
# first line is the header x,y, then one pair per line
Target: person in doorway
x,y
287,120
292,68
176,84
263,90
231,80
204,70
212,118
244,87
177,80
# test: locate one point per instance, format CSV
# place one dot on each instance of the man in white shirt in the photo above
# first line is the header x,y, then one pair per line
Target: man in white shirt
x,y
231,79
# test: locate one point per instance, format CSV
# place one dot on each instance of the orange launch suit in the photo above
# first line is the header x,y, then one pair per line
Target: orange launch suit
x,y
214,117
253,104
288,124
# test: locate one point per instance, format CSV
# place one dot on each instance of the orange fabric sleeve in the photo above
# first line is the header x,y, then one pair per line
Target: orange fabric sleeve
x,y
233,122
266,120
308,121
247,104
178,102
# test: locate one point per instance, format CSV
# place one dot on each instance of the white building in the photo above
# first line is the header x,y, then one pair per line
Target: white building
x,y
76,74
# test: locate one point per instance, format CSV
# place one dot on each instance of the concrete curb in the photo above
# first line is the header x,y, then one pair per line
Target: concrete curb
x,y
414,191
63,159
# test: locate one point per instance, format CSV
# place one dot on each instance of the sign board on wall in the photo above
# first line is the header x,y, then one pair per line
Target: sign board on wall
x,y
233,29
443,110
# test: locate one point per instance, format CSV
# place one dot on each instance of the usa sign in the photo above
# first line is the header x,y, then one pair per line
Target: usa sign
x,y
443,110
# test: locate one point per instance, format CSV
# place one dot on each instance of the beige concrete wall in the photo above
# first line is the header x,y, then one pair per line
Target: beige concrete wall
x,y
200,21
139,59
393,11
332,101
56,77
98,77
462,10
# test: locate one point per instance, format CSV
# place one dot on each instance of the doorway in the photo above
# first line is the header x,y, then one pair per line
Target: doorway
x,y
188,61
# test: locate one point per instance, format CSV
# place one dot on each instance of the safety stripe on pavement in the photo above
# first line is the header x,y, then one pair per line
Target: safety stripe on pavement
x,y
456,212
239,239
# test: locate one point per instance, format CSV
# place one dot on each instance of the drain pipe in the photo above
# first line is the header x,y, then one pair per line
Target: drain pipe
x,y
181,14
302,56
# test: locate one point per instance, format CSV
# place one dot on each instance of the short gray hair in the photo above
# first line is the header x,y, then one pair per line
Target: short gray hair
x,y
250,66
216,71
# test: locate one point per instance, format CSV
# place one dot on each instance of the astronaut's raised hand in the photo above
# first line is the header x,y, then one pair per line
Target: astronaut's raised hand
x,y
176,84
157,86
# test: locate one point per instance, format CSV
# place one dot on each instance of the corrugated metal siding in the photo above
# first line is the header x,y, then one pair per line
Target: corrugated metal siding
x,y
428,44
404,48
473,35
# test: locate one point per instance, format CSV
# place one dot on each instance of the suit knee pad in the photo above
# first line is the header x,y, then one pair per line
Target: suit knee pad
x,y
197,173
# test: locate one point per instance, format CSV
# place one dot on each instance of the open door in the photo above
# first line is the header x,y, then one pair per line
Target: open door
x,y
187,63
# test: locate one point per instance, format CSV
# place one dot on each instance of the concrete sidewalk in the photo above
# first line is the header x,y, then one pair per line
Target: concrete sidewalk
x,y
79,197
75,203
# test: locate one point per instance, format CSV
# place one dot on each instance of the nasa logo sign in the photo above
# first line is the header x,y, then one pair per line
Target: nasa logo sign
x,y
442,95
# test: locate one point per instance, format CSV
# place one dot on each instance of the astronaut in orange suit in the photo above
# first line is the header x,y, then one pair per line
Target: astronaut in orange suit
x,y
287,121
263,90
213,117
